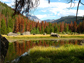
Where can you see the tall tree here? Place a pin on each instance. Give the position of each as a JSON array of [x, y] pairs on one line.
[[79, 30], [26, 4], [83, 26], [62, 27], [75, 26], [3, 27], [71, 26], [66, 27]]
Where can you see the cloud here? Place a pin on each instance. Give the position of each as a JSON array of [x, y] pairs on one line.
[[43, 10], [46, 16], [80, 12], [8, 2], [5, 0], [59, 8], [44, 4], [54, 9], [41, 16]]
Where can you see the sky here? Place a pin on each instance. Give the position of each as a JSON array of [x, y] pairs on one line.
[[55, 10]]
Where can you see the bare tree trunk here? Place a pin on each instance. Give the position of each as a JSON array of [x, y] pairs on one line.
[[77, 9]]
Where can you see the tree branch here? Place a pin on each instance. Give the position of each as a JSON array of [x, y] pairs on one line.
[[77, 9]]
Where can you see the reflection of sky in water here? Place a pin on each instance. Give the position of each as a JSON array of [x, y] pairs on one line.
[[17, 48]]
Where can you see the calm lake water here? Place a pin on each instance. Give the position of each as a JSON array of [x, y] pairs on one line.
[[17, 48]]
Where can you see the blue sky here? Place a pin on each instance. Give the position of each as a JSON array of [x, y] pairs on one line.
[[55, 10]]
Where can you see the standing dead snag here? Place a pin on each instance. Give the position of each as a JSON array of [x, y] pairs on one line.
[[24, 6]]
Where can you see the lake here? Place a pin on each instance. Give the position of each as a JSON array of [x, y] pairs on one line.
[[18, 47]]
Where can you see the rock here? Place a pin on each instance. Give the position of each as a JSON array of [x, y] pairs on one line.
[[83, 41], [44, 33], [12, 34], [55, 35], [34, 34], [3, 48], [26, 33]]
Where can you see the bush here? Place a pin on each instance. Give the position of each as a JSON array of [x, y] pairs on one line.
[[19, 33], [64, 32], [68, 32]]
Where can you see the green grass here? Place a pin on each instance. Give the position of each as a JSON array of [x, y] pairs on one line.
[[63, 54], [43, 36], [72, 37]]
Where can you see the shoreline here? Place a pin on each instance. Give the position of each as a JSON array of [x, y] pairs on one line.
[[44, 37]]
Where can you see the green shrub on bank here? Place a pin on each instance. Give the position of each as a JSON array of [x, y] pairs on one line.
[[64, 54]]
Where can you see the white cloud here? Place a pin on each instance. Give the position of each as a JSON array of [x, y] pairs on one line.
[[41, 16], [8, 2], [80, 12], [44, 4], [43, 10], [5, 0], [59, 8], [46, 16]]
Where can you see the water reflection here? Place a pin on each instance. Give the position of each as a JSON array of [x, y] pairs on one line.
[[17, 48]]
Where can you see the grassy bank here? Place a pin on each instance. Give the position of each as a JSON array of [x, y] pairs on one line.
[[43, 36], [64, 54]]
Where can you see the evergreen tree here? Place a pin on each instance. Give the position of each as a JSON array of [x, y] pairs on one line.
[[37, 30], [67, 28], [71, 26], [10, 26], [42, 30], [51, 29], [47, 30], [56, 29], [79, 30], [75, 26], [3, 27]]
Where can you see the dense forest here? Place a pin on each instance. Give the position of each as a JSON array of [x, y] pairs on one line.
[[20, 23]]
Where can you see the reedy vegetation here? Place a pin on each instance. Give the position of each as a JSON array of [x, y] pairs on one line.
[[63, 54]]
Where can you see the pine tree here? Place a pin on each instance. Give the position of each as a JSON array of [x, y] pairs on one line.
[[79, 30], [47, 30], [75, 26], [37, 31], [3, 27], [71, 26], [51, 29], [10, 25], [42, 30], [83, 26], [66, 28], [55, 29], [62, 27]]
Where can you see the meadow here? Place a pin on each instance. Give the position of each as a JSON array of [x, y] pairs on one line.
[[47, 36]]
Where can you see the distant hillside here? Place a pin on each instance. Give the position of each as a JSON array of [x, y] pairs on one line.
[[10, 22], [49, 20], [68, 19], [8, 12], [34, 18]]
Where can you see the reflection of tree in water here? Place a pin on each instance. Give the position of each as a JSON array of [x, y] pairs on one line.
[[24, 46], [18, 48]]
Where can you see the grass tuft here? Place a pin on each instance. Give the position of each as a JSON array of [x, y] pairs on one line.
[[63, 54]]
